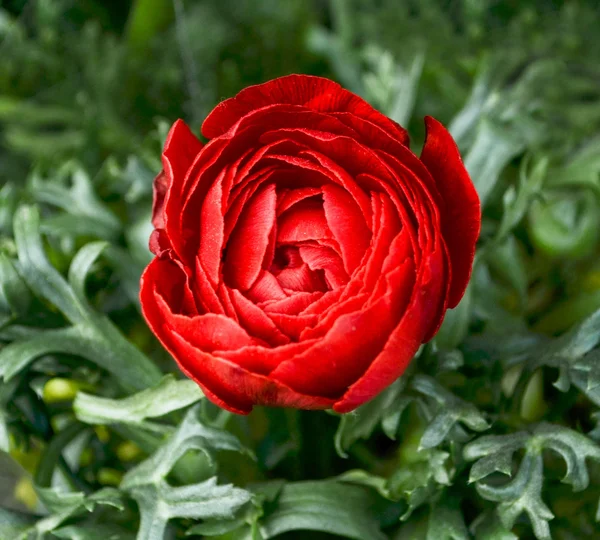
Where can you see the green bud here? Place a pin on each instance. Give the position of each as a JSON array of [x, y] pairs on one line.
[[128, 451], [109, 477], [58, 390]]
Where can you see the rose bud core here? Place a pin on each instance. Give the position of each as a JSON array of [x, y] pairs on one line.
[[304, 253]]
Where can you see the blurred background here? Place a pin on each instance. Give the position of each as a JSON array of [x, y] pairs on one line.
[[89, 89]]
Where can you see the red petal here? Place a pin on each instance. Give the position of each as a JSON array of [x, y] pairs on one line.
[[254, 320], [304, 221], [172, 282], [211, 230], [249, 239], [354, 340], [326, 259], [301, 278], [400, 348], [315, 93], [461, 212], [266, 288], [227, 384], [292, 305], [180, 150], [290, 197], [205, 292], [347, 223]]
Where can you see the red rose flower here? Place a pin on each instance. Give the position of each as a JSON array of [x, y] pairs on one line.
[[304, 253]]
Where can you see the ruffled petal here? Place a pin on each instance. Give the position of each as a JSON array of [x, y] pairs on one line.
[[249, 240], [316, 93], [461, 211]]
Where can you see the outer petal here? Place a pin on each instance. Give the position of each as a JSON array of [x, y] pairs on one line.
[[181, 148], [228, 385], [315, 93], [461, 212]]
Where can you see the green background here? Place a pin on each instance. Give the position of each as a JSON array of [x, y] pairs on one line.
[[492, 433]]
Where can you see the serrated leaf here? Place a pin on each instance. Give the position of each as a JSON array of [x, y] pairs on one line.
[[573, 447], [168, 396], [325, 506], [570, 354], [417, 482], [523, 492], [449, 410], [65, 505], [190, 435], [215, 527], [160, 503]]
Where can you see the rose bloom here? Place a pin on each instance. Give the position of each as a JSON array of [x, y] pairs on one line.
[[305, 252]]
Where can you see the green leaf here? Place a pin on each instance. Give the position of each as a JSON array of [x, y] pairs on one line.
[[446, 522], [325, 506], [93, 336], [493, 148], [517, 202], [13, 524], [361, 423], [565, 224], [65, 505], [569, 353], [506, 259], [489, 527], [15, 297], [18, 355], [53, 452], [81, 265], [581, 170], [388, 86], [41, 277], [418, 482], [456, 323], [494, 453], [523, 492], [78, 199], [93, 531], [169, 395], [449, 410], [159, 503], [190, 435]]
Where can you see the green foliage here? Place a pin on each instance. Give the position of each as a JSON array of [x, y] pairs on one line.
[[493, 433]]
